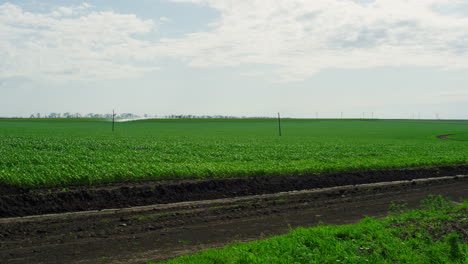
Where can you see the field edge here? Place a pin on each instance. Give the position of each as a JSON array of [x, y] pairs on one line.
[[22, 202]]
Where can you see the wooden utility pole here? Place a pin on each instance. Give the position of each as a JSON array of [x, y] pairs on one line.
[[279, 124], [113, 120]]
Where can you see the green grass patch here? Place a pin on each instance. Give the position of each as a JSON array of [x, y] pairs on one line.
[[428, 235], [47, 153]]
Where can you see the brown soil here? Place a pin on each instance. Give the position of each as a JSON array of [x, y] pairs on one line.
[[158, 232], [446, 137], [15, 201], [10, 189]]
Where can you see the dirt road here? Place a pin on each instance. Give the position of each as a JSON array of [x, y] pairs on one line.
[[163, 231]]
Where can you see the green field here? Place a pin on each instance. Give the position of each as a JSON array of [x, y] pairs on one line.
[[462, 136], [55, 152], [423, 236]]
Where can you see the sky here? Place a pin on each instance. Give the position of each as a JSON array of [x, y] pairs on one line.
[[392, 58]]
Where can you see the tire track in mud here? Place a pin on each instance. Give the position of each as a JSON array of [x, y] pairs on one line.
[[163, 231]]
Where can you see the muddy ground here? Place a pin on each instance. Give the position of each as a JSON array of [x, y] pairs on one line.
[[447, 137], [15, 201], [163, 231]]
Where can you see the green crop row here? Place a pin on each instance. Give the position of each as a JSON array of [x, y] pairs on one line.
[[461, 136], [425, 236], [46, 153]]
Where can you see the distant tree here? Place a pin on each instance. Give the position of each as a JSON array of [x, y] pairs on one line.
[[128, 115]]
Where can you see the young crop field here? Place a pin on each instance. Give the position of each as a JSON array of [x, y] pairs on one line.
[[61, 152], [461, 136], [431, 235]]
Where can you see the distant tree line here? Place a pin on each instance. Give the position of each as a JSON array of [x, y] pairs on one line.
[[131, 116], [78, 115], [56, 115], [200, 116]]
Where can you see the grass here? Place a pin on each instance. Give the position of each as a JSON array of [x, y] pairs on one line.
[[428, 235], [61, 152]]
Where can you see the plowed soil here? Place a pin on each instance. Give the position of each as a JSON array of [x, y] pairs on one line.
[[162, 231], [15, 201]]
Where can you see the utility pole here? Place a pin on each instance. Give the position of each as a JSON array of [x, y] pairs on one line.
[[279, 124], [341, 115], [113, 120]]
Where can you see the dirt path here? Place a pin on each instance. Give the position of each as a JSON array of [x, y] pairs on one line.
[[158, 232], [446, 137]]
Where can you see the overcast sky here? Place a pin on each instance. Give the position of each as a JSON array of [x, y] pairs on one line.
[[396, 58]]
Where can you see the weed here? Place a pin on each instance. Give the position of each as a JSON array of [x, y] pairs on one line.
[[278, 201], [398, 208], [144, 217], [433, 203]]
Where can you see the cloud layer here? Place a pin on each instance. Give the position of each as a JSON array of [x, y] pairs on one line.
[[303, 37], [70, 43], [299, 37]]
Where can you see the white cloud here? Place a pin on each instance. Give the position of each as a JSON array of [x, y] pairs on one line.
[[299, 37], [71, 43], [70, 11], [164, 19], [305, 36]]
